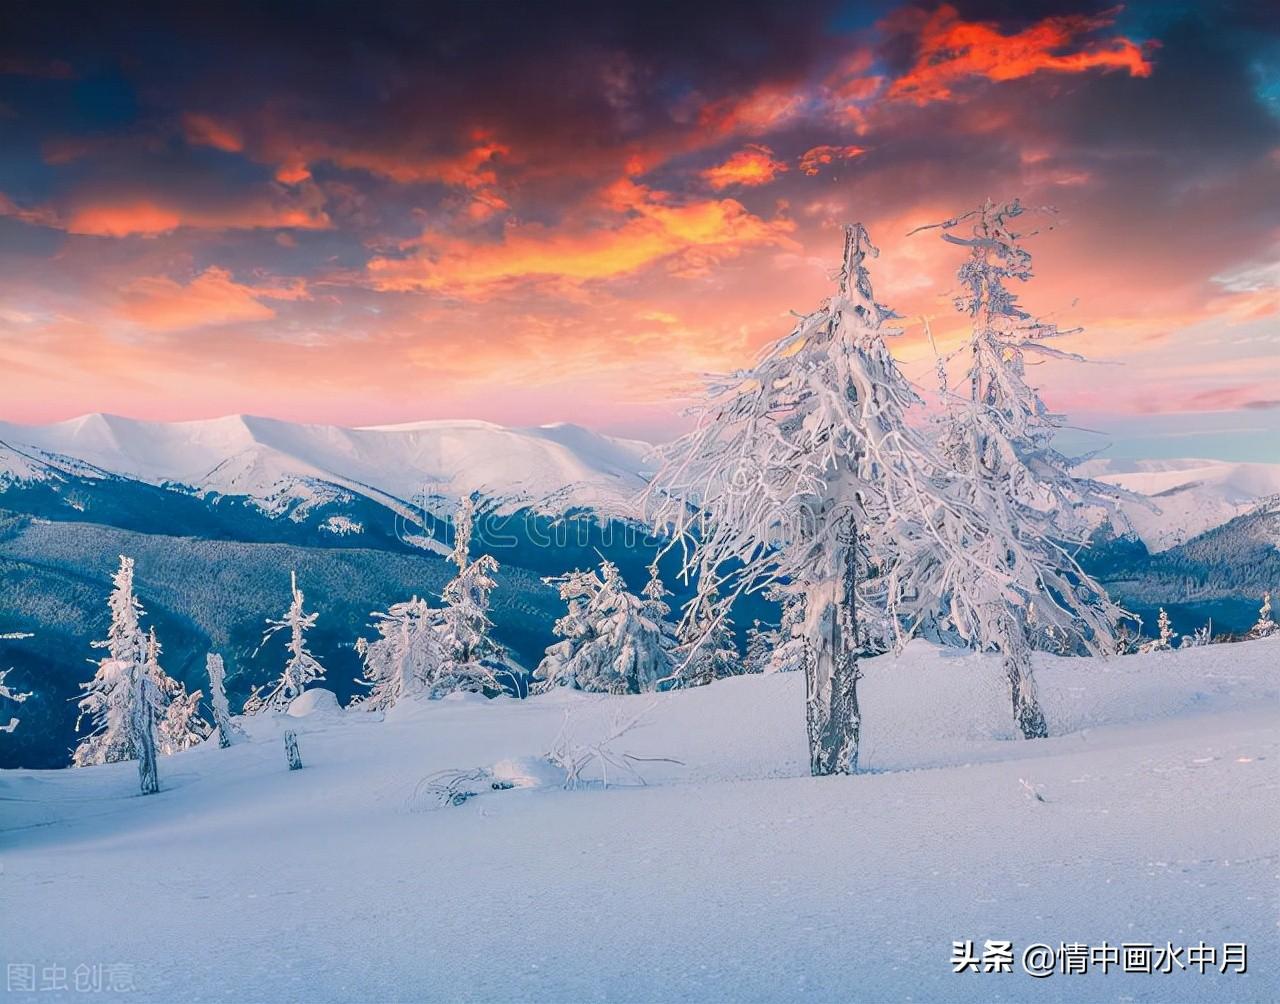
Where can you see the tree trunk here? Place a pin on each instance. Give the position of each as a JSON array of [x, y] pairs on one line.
[[291, 750], [1022, 684], [831, 672], [148, 776]]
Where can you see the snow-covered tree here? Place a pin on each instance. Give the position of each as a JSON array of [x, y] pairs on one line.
[[657, 610], [408, 656], [1266, 626], [613, 641], [9, 694], [761, 642], [179, 725], [1164, 642], [794, 466], [228, 731], [576, 629], [300, 668], [122, 700], [997, 442], [790, 649], [707, 650], [471, 655]]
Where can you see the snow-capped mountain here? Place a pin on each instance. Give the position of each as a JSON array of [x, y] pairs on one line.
[[286, 467], [295, 470], [1191, 496]]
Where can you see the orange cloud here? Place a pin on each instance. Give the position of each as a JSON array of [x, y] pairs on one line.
[[654, 229], [148, 217], [752, 166], [951, 51], [201, 130], [763, 109], [814, 159], [212, 298], [474, 168]]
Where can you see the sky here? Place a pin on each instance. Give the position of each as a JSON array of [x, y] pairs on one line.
[[530, 213]]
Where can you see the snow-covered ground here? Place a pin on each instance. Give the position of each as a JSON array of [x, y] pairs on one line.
[[1151, 816]]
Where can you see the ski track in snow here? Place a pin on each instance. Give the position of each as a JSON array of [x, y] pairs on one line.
[[732, 877]]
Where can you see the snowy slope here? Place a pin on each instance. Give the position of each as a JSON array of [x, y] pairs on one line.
[[552, 467], [1192, 496], [292, 468], [731, 877]]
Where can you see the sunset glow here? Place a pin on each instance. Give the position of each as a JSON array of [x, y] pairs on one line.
[[529, 215]]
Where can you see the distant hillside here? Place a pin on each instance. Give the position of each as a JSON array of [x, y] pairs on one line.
[[284, 467], [202, 593], [1189, 496], [1221, 574]]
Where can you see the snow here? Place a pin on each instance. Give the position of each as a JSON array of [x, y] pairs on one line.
[[731, 876], [342, 525], [291, 468], [283, 463], [314, 702], [1192, 495]]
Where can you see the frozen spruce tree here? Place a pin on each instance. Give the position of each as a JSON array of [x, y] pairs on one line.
[[122, 700], [613, 641], [300, 668], [787, 644], [708, 651], [179, 725], [657, 611], [997, 443], [796, 467], [576, 629], [1164, 641], [761, 642], [1266, 626], [406, 659], [228, 731], [470, 653]]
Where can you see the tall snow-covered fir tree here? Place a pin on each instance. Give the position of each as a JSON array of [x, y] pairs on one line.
[[657, 611], [122, 700], [613, 641], [471, 655], [408, 656], [575, 629], [708, 651], [997, 442], [796, 468], [228, 732], [300, 668]]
